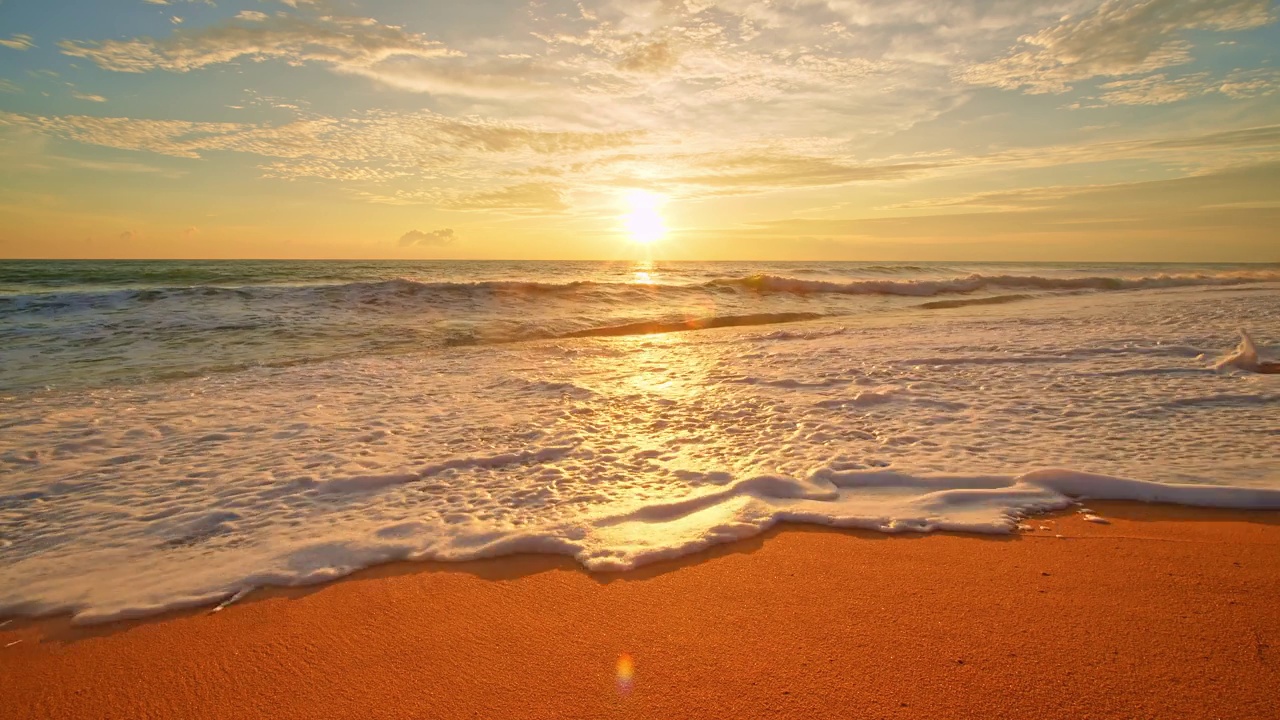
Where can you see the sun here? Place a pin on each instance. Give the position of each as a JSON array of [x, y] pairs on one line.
[[643, 219]]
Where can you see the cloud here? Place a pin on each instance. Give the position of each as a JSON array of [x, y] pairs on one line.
[[1153, 90], [404, 141], [1228, 196], [599, 63], [1160, 90], [533, 197], [8, 86], [1241, 84], [1020, 199], [751, 171], [1118, 38], [435, 238], [178, 138], [1244, 138], [1205, 151], [18, 42], [649, 58], [424, 158], [565, 104], [344, 44], [89, 97]]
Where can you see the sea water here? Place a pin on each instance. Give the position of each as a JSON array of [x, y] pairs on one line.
[[173, 433]]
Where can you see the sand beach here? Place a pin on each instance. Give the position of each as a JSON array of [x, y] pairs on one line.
[[1164, 612]]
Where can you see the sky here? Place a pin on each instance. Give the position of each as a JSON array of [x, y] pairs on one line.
[[1069, 130]]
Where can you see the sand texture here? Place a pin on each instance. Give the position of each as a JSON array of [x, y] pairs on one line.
[[1164, 613]]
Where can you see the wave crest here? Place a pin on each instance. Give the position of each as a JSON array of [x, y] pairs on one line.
[[977, 282]]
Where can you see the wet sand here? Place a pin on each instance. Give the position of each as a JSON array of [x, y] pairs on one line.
[[1165, 613]]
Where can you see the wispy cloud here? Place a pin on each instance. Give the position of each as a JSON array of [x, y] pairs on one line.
[[411, 140], [1259, 82], [1153, 90], [345, 44], [1119, 37], [1198, 204], [531, 197], [18, 42]]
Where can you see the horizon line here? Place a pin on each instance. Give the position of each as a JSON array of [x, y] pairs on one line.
[[637, 260]]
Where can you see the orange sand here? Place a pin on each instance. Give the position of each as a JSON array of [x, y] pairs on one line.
[[1166, 613]]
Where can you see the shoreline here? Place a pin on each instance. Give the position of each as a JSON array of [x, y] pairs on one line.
[[1166, 611]]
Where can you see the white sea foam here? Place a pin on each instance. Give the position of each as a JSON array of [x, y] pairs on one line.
[[1244, 357], [124, 501]]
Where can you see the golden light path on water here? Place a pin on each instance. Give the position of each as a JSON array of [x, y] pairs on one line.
[[645, 272]]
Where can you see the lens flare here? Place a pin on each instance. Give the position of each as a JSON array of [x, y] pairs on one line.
[[626, 673]]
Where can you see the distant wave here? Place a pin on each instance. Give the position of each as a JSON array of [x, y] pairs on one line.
[[965, 302], [976, 282], [400, 290]]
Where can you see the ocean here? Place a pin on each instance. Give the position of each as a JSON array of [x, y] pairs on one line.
[[176, 433]]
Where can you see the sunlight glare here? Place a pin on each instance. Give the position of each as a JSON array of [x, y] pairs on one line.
[[643, 219]]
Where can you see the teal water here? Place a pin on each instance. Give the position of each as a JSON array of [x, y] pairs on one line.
[[67, 324]]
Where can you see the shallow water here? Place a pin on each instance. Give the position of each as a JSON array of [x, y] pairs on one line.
[[137, 488]]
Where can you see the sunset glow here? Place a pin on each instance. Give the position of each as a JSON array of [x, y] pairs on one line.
[[704, 330], [1086, 130]]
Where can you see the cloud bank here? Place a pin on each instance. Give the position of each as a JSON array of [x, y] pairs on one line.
[[435, 238]]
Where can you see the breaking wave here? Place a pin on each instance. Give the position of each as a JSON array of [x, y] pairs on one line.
[[977, 282], [1245, 357]]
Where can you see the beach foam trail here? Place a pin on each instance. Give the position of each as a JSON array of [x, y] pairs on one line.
[[95, 587]]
